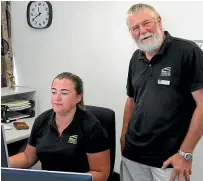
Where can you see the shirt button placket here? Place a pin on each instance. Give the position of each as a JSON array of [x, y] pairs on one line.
[[150, 69]]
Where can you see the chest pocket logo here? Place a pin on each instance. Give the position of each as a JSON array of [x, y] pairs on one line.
[[73, 139], [166, 72]]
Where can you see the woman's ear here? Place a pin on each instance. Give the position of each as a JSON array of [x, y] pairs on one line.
[[79, 97]]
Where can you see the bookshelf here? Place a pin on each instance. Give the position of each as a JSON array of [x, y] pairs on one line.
[[17, 139], [19, 93], [12, 135], [19, 90]]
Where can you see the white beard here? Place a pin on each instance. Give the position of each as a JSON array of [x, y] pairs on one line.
[[150, 46]]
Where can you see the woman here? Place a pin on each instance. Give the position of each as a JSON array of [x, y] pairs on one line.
[[67, 137]]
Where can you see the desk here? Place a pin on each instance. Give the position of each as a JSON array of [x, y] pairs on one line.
[[14, 135], [17, 139]]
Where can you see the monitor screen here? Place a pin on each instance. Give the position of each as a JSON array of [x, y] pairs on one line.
[[4, 150], [13, 174]]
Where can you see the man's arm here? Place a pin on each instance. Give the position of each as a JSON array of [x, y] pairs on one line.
[[182, 167], [195, 131], [128, 111]]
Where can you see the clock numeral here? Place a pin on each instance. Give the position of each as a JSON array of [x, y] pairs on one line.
[[46, 18], [35, 22], [43, 22], [48, 14], [47, 9], [31, 14], [33, 9], [39, 24], [39, 4], [35, 5]]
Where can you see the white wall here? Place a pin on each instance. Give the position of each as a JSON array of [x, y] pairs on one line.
[[91, 39]]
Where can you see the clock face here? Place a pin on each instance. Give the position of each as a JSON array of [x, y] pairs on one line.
[[39, 14]]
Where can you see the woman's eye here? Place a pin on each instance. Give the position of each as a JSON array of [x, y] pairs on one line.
[[53, 93], [64, 93]]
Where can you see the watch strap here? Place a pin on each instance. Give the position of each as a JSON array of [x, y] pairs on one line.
[[184, 154]]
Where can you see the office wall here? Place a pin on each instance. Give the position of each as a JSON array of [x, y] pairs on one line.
[[91, 39]]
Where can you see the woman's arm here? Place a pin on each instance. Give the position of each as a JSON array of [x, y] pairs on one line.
[[25, 159], [99, 164]]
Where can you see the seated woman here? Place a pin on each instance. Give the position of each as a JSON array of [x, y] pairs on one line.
[[67, 137]]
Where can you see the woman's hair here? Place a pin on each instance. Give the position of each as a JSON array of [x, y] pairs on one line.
[[77, 82]]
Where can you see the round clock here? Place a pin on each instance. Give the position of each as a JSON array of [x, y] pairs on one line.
[[39, 14]]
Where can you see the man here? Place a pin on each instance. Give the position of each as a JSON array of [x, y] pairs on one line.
[[163, 116]]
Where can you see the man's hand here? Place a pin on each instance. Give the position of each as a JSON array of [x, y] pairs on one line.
[[181, 167]]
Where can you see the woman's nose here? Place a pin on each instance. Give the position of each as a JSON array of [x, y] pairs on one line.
[[58, 96]]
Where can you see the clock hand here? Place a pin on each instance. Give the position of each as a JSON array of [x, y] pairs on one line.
[[36, 16]]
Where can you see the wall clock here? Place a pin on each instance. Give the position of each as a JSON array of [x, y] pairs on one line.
[[39, 14]]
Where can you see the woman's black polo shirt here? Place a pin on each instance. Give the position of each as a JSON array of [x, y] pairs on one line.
[[161, 89], [67, 152]]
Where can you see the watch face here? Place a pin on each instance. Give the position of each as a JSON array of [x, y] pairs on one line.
[[188, 156], [39, 14]]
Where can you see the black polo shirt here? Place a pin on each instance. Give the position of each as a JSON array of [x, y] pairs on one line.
[[67, 152], [161, 89]]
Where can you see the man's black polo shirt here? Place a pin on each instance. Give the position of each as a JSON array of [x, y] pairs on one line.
[[67, 152], [161, 89]]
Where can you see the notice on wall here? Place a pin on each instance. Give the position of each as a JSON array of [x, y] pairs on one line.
[[199, 43]]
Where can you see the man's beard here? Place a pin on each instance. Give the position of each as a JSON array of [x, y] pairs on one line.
[[150, 46]]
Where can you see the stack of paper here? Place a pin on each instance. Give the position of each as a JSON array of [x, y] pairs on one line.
[[16, 105]]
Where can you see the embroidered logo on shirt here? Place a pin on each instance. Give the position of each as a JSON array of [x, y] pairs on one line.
[[73, 139], [166, 72]]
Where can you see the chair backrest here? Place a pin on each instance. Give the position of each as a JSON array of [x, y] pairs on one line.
[[107, 118]]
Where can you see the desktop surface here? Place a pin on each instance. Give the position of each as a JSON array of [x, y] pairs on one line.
[[13, 135], [12, 174]]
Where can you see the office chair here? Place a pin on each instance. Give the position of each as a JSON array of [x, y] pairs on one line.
[[107, 118]]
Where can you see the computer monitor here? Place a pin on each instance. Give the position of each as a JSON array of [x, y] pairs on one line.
[[13, 174], [4, 150]]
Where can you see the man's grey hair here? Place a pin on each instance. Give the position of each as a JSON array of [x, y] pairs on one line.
[[137, 7]]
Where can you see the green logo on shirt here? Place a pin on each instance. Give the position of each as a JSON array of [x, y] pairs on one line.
[[73, 139]]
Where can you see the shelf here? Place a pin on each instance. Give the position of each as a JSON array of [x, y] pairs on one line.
[[5, 91], [20, 92]]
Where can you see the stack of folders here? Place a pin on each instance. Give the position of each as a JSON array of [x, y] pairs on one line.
[[17, 107]]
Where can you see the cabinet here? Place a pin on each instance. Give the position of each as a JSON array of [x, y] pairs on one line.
[[12, 135], [17, 139], [17, 104]]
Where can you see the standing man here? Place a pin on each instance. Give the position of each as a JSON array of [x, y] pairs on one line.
[[163, 117]]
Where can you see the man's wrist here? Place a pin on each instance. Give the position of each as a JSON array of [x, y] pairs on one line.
[[187, 148], [186, 155]]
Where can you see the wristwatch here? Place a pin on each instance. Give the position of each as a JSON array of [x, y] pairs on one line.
[[187, 156]]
